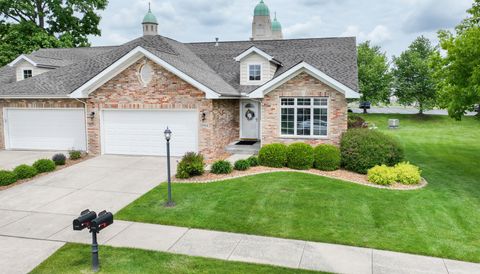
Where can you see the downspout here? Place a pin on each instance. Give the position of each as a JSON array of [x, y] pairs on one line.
[[86, 122]]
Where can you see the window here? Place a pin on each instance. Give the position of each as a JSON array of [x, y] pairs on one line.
[[255, 72], [146, 74], [27, 73], [303, 117]]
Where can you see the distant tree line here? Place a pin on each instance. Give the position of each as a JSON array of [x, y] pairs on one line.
[[445, 76]]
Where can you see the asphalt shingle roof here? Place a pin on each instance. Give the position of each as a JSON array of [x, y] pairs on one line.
[[212, 66]]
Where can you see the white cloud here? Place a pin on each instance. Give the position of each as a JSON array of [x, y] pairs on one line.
[[378, 35], [305, 29]]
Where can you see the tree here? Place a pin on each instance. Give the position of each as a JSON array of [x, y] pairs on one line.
[[460, 70], [373, 74], [26, 25], [414, 75]]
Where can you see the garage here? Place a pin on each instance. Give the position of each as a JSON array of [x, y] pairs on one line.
[[45, 129], [141, 132]]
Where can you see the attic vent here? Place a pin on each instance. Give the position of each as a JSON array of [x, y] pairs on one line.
[[146, 74]]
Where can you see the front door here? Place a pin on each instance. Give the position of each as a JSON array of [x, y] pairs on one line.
[[250, 111]]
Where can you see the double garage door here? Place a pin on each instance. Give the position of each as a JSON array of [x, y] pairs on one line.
[[126, 132]]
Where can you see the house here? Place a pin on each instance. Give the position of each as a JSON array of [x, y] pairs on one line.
[[120, 99]]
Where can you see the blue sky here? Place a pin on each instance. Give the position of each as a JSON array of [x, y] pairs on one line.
[[392, 24]]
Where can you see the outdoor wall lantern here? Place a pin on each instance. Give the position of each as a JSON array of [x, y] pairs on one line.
[[92, 115], [168, 136], [204, 116]]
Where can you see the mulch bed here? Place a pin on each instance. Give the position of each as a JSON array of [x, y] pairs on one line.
[[340, 174], [68, 163]]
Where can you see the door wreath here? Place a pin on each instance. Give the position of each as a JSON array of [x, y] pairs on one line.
[[249, 115]]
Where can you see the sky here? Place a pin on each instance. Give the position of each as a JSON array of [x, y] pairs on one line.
[[391, 24]]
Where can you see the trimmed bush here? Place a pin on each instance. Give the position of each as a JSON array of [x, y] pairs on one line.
[[253, 161], [222, 167], [327, 157], [362, 149], [44, 165], [382, 175], [408, 174], [300, 156], [242, 165], [25, 172], [59, 159], [7, 177], [273, 155], [355, 121], [192, 164], [74, 155]]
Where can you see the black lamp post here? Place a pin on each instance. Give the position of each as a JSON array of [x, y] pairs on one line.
[[168, 136]]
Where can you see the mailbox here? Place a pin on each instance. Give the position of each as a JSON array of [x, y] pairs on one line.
[[85, 219], [103, 220]]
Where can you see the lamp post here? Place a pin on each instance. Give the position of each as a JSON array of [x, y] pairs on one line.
[[168, 136]]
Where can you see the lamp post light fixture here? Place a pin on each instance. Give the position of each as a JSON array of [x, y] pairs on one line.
[[168, 136]]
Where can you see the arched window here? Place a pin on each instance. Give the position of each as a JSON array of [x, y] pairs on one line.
[[146, 74]]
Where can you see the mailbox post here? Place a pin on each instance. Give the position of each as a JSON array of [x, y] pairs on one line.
[[89, 219]]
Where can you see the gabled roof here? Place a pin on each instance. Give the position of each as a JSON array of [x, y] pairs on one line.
[[256, 50], [205, 65]]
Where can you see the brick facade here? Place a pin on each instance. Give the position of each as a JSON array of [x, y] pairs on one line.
[[303, 85]]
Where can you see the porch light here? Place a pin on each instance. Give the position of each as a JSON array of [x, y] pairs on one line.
[[168, 134]]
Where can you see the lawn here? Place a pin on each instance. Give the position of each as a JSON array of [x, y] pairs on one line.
[[441, 220], [76, 258]]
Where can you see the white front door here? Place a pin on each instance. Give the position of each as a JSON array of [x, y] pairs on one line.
[[141, 132], [45, 129], [250, 112]]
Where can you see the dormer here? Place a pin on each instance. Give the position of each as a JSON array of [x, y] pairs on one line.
[[26, 68], [256, 67]]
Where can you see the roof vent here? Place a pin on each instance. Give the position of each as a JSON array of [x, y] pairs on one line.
[[216, 41]]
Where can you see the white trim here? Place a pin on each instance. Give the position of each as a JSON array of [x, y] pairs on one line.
[[34, 97], [126, 61], [102, 122], [296, 70], [24, 58], [251, 50], [6, 125]]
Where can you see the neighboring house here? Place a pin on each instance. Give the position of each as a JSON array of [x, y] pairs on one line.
[[119, 100]]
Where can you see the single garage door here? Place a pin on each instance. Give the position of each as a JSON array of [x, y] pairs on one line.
[[45, 129], [141, 132]]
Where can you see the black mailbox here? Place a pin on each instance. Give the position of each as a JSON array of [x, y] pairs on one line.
[[85, 219], [103, 220]]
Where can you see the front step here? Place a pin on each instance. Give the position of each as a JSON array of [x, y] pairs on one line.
[[233, 148]]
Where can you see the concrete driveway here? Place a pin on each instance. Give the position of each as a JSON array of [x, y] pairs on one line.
[[45, 207], [10, 159]]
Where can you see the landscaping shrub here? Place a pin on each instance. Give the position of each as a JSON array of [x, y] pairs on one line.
[[300, 156], [7, 177], [362, 149], [25, 172], [407, 174], [253, 161], [355, 121], [192, 164], [382, 175], [59, 159], [273, 155], [74, 154], [327, 157], [44, 165], [242, 165], [222, 167]]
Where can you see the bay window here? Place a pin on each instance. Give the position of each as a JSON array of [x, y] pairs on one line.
[[304, 117]]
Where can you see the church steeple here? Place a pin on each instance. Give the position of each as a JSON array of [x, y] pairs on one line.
[[262, 24], [150, 23], [276, 29]]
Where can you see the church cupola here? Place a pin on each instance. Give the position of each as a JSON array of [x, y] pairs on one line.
[[150, 23], [262, 23], [276, 29]]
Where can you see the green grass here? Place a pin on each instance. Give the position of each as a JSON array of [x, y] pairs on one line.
[[441, 220], [76, 258]]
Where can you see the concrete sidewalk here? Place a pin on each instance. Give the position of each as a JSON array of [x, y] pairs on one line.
[[238, 247]]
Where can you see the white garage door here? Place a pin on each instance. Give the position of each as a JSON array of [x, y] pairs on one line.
[[140, 132], [45, 129]]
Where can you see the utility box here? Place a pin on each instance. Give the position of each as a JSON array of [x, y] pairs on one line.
[[393, 123]]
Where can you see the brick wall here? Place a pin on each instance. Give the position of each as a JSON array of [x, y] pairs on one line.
[[303, 85], [165, 91], [33, 103]]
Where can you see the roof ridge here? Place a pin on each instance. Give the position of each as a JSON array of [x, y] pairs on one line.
[[273, 40]]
